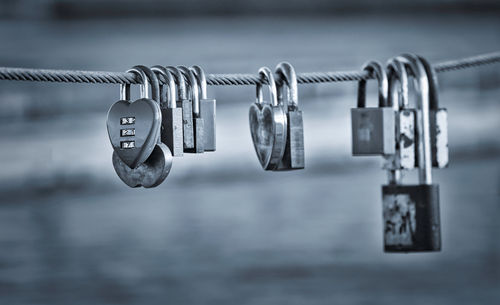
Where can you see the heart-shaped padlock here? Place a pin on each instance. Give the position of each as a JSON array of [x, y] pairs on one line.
[[268, 125], [156, 167], [133, 129], [148, 174]]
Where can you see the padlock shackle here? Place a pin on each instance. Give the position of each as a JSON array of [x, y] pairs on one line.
[[202, 80], [170, 84], [383, 84], [125, 92], [149, 80], [433, 84], [423, 122], [286, 73], [266, 74], [180, 82], [397, 72], [193, 86]]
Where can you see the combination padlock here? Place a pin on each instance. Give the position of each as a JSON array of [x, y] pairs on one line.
[[172, 127], [293, 156], [373, 128], [207, 110], [268, 124], [411, 212], [186, 105], [198, 122], [156, 167]]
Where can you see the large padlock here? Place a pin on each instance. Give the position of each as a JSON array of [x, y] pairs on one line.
[[207, 110], [293, 157], [373, 129], [404, 157], [133, 127], [411, 212], [186, 105], [268, 123], [156, 167], [171, 132], [438, 120], [198, 122]]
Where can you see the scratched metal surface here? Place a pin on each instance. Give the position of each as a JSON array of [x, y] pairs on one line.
[[220, 230]]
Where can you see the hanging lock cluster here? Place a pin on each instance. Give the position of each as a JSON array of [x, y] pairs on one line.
[[277, 127], [166, 122], [407, 138]]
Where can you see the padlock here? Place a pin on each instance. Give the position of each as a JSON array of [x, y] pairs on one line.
[[411, 212], [171, 132], [207, 110], [153, 171], [373, 129], [293, 157], [404, 157], [133, 126], [198, 122], [186, 105], [268, 124], [438, 120]]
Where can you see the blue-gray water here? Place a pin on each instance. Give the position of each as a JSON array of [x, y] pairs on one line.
[[219, 230]]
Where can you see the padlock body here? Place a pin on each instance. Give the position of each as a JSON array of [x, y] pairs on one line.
[[411, 218], [207, 112], [373, 131], [199, 137], [187, 123], [439, 137], [172, 130], [293, 157]]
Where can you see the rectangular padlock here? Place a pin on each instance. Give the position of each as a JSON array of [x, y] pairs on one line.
[[439, 137], [199, 135], [187, 123], [207, 113], [411, 218], [293, 157], [172, 130], [373, 131], [404, 157]]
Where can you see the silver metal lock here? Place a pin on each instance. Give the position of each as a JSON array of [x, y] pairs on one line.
[[411, 212], [198, 122], [155, 169], [373, 129], [171, 133], [404, 157], [207, 110], [293, 157], [268, 124], [187, 109], [438, 120]]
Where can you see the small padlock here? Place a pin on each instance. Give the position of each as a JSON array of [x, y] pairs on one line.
[[404, 157], [373, 129], [293, 157], [171, 133], [411, 212], [268, 124], [198, 122], [186, 105], [207, 109], [438, 120]]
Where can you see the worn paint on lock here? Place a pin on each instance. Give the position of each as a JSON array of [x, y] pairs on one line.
[[406, 139], [439, 138], [399, 220]]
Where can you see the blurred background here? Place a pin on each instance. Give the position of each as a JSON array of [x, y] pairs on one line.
[[220, 230]]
